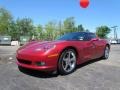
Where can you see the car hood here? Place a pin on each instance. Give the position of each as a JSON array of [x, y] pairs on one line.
[[38, 44]]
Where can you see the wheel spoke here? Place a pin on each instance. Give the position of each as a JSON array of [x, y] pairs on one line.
[[65, 59], [66, 66], [72, 59], [71, 64], [69, 54]]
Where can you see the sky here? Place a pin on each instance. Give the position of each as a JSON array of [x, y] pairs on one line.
[[99, 12]]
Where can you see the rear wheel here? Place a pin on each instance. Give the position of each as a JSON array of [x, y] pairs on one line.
[[106, 53], [67, 62]]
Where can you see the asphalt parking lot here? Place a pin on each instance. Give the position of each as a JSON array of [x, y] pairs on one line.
[[94, 75]]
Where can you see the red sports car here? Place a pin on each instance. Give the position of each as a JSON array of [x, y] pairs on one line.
[[64, 53]]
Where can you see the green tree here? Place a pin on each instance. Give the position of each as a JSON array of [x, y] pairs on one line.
[[87, 30], [13, 31], [103, 31], [39, 33], [5, 20], [50, 28], [80, 28], [60, 29], [69, 25], [25, 27]]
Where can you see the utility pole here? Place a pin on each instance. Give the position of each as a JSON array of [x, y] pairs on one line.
[[115, 32]]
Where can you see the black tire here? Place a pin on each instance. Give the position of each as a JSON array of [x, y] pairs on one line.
[[61, 69], [106, 53]]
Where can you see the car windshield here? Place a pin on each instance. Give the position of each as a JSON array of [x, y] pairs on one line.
[[72, 36]]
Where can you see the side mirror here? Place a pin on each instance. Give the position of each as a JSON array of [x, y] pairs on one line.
[[95, 39]]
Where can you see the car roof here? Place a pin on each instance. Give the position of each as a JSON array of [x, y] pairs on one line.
[[82, 33]]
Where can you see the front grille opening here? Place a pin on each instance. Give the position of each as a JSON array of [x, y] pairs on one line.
[[25, 61]]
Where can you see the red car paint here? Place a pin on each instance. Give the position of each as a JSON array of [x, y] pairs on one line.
[[28, 55]]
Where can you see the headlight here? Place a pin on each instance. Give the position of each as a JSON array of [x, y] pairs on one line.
[[46, 48]]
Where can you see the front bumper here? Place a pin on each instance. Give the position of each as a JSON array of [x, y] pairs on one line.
[[41, 68], [29, 61]]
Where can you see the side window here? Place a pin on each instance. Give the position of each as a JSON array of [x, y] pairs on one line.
[[80, 37], [90, 36]]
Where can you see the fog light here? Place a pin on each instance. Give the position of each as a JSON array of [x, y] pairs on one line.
[[40, 63]]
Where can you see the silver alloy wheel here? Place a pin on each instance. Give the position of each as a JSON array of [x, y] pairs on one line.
[[69, 61], [106, 52]]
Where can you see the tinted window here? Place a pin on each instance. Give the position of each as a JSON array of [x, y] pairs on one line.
[[91, 36], [73, 36]]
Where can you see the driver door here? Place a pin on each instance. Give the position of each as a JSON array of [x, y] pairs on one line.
[[89, 47]]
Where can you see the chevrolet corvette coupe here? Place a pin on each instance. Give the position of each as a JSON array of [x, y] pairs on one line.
[[63, 54]]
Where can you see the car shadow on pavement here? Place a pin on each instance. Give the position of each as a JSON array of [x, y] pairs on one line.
[[40, 74], [89, 62]]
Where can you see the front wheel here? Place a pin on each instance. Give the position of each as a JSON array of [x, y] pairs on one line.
[[67, 62], [106, 53]]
